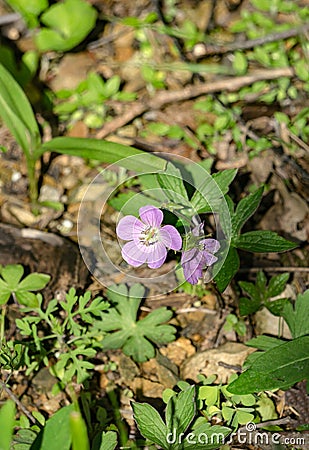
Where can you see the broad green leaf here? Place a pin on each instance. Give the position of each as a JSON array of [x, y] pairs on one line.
[[66, 29], [180, 411], [7, 423], [277, 284], [250, 289], [27, 298], [34, 282], [211, 190], [139, 348], [17, 113], [130, 202], [112, 86], [79, 433], [264, 342], [106, 151], [240, 63], [263, 241], [150, 424], [5, 293], [12, 274], [172, 183], [244, 210], [277, 368], [56, 434], [108, 440], [228, 269], [30, 10], [209, 393]]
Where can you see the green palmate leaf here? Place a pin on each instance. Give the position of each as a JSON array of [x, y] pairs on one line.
[[150, 424], [66, 30], [297, 318], [16, 112], [7, 423], [56, 434], [105, 151], [228, 269], [134, 337], [277, 285], [248, 306], [172, 183], [244, 210], [277, 368], [263, 241], [180, 411]]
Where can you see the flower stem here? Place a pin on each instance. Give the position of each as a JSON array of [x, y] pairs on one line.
[[33, 185]]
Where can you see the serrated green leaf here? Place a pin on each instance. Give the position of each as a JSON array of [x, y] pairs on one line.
[[211, 190], [263, 241], [277, 368], [244, 210], [66, 30], [228, 269], [180, 411], [277, 284], [248, 306], [139, 348], [150, 424], [108, 440], [297, 318], [264, 342], [172, 183]]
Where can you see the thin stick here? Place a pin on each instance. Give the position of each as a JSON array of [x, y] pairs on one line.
[[18, 402], [210, 50], [163, 98]]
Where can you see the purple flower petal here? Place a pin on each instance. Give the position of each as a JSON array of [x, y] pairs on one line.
[[156, 258], [192, 271], [129, 227], [198, 230], [209, 259], [210, 245], [170, 237], [133, 254], [151, 215]]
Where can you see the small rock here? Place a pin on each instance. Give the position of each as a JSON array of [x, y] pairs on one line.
[[222, 361]]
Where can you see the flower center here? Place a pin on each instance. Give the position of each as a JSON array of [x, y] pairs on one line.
[[149, 236]]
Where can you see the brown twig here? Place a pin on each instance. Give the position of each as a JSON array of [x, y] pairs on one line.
[[211, 50], [17, 402], [163, 98]]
